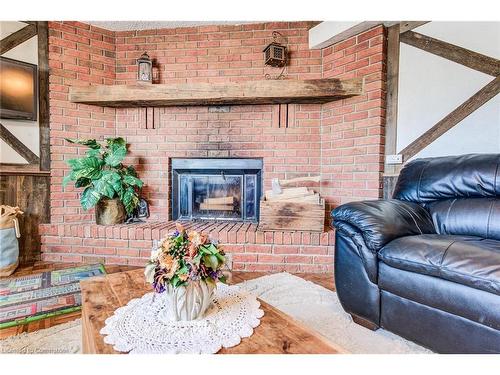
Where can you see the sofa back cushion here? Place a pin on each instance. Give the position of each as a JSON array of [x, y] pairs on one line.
[[462, 193], [472, 217], [465, 176]]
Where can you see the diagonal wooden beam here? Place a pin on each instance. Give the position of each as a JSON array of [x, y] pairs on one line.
[[405, 26], [462, 111], [15, 39], [460, 55], [18, 146]]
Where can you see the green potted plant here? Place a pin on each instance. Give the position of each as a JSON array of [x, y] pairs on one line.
[[110, 186]]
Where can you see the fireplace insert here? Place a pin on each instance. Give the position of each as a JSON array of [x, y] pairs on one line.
[[216, 189]]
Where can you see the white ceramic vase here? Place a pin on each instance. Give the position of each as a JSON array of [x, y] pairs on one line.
[[189, 302]]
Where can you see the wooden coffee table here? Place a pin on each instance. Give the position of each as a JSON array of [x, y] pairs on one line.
[[277, 333]]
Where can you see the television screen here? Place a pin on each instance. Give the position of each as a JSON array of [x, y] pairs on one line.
[[18, 89]]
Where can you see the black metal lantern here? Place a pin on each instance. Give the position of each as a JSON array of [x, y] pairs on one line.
[[144, 69], [275, 53]]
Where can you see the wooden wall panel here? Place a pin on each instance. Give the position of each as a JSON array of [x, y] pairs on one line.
[[28, 185], [31, 194]]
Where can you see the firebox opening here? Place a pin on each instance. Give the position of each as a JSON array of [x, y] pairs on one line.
[[216, 189]]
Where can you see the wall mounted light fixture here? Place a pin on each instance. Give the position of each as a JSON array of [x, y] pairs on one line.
[[276, 54], [144, 69]]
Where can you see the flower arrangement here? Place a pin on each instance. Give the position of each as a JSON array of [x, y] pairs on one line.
[[183, 257]]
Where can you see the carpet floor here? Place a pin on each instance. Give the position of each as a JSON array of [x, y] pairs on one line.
[[320, 309], [61, 339], [313, 305]]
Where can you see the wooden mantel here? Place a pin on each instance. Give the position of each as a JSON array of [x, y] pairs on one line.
[[202, 94]]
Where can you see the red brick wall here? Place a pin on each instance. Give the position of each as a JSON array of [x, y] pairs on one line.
[[219, 54], [342, 141], [79, 54], [352, 130]]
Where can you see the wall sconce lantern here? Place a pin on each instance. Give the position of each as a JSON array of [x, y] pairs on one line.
[[144, 69], [275, 54]]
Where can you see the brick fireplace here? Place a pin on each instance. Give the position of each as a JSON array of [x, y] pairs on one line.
[[342, 141]]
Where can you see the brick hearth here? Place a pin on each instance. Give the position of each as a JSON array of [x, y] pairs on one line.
[[251, 249], [342, 140]]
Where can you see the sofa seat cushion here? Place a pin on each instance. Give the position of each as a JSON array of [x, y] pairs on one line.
[[467, 260]]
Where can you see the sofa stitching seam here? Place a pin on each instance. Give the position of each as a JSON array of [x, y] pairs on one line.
[[489, 219], [420, 179], [495, 180], [449, 210]]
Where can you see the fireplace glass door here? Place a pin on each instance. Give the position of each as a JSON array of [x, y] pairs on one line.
[[215, 193], [216, 196]]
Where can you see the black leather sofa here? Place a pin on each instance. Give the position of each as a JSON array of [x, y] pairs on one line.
[[426, 264]]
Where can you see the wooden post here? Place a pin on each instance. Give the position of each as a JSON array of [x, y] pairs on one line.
[[391, 122], [43, 95]]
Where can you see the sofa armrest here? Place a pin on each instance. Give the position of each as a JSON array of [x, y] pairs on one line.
[[382, 221]]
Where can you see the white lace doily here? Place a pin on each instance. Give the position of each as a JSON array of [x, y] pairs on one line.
[[143, 325]]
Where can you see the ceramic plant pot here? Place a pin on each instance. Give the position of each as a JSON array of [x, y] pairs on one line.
[[109, 212], [189, 302]]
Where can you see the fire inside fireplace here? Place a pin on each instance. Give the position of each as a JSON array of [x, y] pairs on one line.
[[216, 189]]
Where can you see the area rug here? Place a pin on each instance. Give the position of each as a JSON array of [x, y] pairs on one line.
[[320, 309], [61, 339], [313, 305], [28, 298]]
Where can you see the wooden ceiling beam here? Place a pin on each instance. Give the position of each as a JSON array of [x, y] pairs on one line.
[[405, 26], [15, 39], [462, 111], [460, 55], [18, 146], [203, 94]]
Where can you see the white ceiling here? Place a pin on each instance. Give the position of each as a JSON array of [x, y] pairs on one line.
[[145, 25]]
